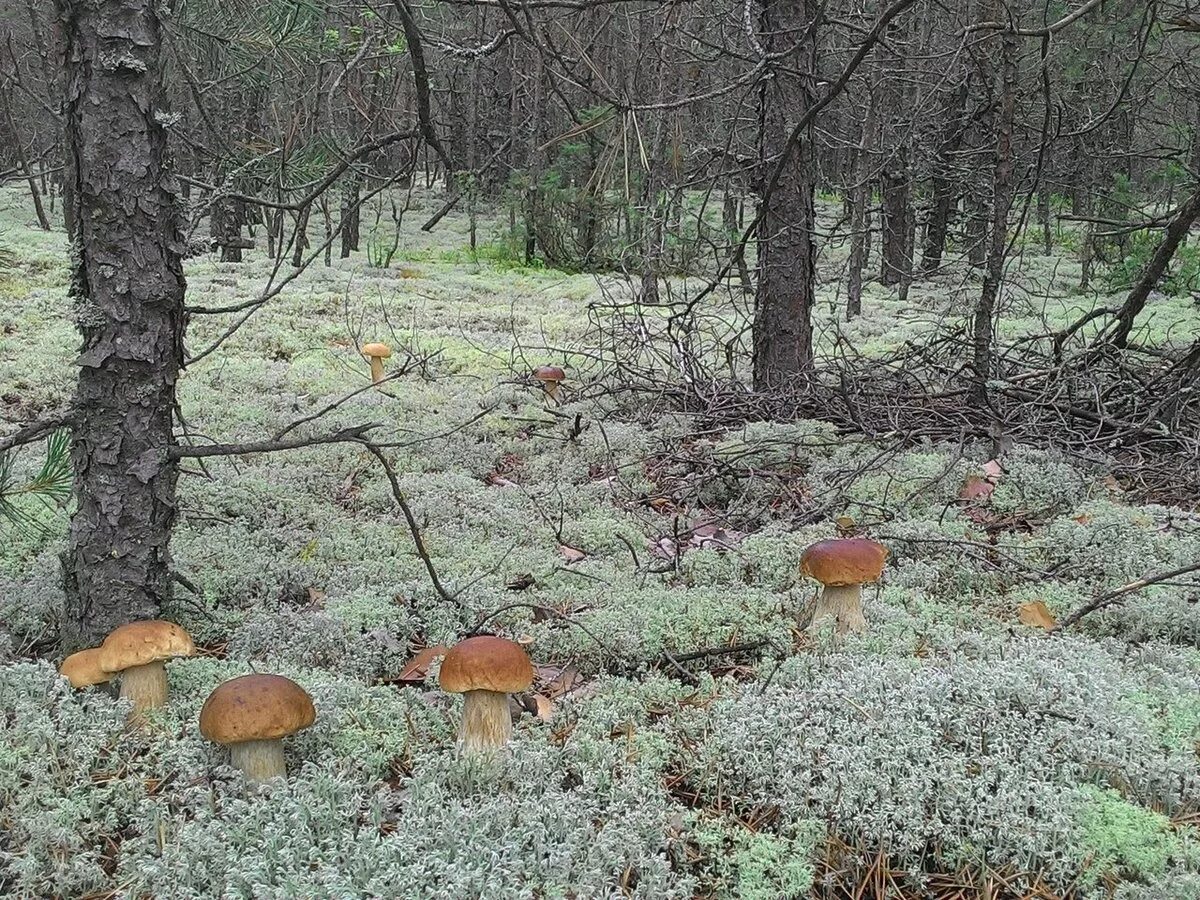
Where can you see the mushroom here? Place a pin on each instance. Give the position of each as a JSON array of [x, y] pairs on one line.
[[377, 353], [842, 567], [251, 715], [485, 670], [137, 651], [82, 669], [550, 377]]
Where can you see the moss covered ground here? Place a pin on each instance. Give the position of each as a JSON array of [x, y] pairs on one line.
[[949, 745]]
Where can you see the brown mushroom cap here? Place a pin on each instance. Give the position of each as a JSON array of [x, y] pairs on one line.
[[256, 708], [141, 643], [486, 663], [383, 351], [839, 562], [82, 669], [549, 373]]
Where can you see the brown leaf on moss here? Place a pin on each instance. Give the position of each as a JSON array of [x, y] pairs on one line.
[[1036, 615], [417, 668], [570, 554], [976, 488]]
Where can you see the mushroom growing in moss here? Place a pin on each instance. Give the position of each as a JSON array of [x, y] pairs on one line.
[[377, 353], [843, 567], [251, 715], [485, 670], [550, 377], [137, 651], [82, 669]]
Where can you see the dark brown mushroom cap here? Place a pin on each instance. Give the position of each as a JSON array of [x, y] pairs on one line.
[[551, 374], [256, 708], [82, 669], [141, 643], [486, 663], [841, 562]]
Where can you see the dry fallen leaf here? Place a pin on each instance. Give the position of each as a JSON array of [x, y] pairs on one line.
[[976, 488], [993, 471], [417, 668], [545, 707], [570, 554], [1036, 615]]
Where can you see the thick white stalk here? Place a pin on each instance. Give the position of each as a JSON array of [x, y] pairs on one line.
[[843, 604], [486, 721]]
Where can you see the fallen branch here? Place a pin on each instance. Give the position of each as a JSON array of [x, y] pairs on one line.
[[357, 434], [1112, 597], [413, 529]]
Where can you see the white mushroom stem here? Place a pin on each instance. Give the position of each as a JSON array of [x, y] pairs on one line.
[[376, 369], [486, 721], [259, 760], [551, 389], [146, 686], [843, 604]]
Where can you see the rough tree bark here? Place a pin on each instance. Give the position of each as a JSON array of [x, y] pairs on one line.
[[786, 255], [128, 292]]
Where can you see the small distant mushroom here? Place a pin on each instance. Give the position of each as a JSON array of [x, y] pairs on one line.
[[550, 377], [251, 715], [377, 353], [843, 567], [82, 669], [137, 651], [485, 670]]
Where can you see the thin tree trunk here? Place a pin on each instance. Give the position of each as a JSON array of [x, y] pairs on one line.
[[23, 162], [860, 212], [782, 330], [531, 172], [128, 291], [1043, 214], [351, 214], [945, 187], [1002, 197], [1177, 233]]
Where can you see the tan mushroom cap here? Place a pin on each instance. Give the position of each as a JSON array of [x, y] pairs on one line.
[[549, 373], [840, 562], [82, 669], [383, 351], [486, 663], [141, 643], [256, 708]]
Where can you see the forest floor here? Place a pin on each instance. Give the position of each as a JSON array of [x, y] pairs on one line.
[[684, 736]]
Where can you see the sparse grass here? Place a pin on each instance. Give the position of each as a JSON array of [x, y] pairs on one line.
[[949, 739]]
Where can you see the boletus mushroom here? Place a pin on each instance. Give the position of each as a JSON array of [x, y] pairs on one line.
[[137, 651], [377, 353], [550, 377], [251, 715], [82, 669], [485, 670], [843, 567]]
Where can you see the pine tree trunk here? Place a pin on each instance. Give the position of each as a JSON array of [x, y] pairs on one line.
[[860, 209], [783, 352], [1002, 197], [351, 214], [128, 291], [944, 187]]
